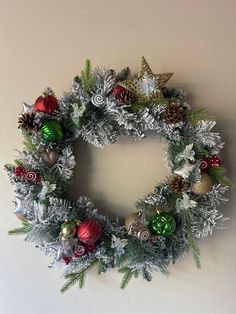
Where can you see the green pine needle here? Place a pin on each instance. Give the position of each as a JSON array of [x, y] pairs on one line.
[[100, 267], [73, 279], [20, 230], [76, 278], [29, 146], [195, 116], [218, 174], [18, 162], [145, 103], [176, 148], [128, 274], [194, 248], [87, 77]]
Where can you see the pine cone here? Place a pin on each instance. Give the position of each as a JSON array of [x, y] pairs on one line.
[[123, 95], [178, 184], [173, 113], [26, 122]]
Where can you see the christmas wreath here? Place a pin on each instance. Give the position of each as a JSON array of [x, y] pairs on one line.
[[102, 106]]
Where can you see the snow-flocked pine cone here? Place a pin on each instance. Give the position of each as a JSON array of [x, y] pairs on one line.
[[177, 184], [26, 122], [173, 113]]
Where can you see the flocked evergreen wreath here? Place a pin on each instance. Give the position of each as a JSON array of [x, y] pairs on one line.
[[101, 107]]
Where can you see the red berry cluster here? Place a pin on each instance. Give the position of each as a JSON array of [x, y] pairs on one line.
[[80, 250], [29, 175], [213, 161]]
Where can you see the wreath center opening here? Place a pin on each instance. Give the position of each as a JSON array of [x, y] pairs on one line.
[[116, 176]]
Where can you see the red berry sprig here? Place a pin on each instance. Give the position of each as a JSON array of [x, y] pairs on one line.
[[213, 161], [29, 175], [19, 171], [67, 259]]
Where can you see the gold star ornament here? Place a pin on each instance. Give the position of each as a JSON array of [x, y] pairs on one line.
[[147, 86]]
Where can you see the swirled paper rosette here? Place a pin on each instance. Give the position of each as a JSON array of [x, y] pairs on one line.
[[101, 107]]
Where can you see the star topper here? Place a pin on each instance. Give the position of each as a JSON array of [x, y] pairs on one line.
[[147, 85]]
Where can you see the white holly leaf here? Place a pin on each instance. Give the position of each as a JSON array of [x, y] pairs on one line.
[[185, 203], [118, 244], [184, 171], [186, 155], [46, 189], [77, 112]]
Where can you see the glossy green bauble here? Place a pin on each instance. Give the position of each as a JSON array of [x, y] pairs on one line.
[[51, 131], [68, 230], [163, 224]]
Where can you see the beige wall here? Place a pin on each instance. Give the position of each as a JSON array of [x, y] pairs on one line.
[[45, 43]]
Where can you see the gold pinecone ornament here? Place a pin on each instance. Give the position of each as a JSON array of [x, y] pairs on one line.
[[177, 184], [131, 219], [27, 122], [173, 113]]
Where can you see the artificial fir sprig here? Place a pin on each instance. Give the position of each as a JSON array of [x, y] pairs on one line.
[[24, 229], [128, 275], [219, 175], [197, 115], [87, 77], [78, 277], [30, 147], [194, 248]]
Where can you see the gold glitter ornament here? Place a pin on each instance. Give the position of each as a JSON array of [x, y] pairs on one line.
[[135, 228], [147, 85], [204, 185], [69, 229], [131, 219], [139, 231]]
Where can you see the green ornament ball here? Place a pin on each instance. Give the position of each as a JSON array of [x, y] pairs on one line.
[[51, 131], [163, 224], [68, 230]]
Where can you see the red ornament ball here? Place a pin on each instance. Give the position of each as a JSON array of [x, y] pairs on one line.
[[89, 231], [215, 161], [46, 104], [19, 171]]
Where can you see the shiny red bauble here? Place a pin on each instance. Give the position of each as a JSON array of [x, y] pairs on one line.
[[46, 104], [89, 231]]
